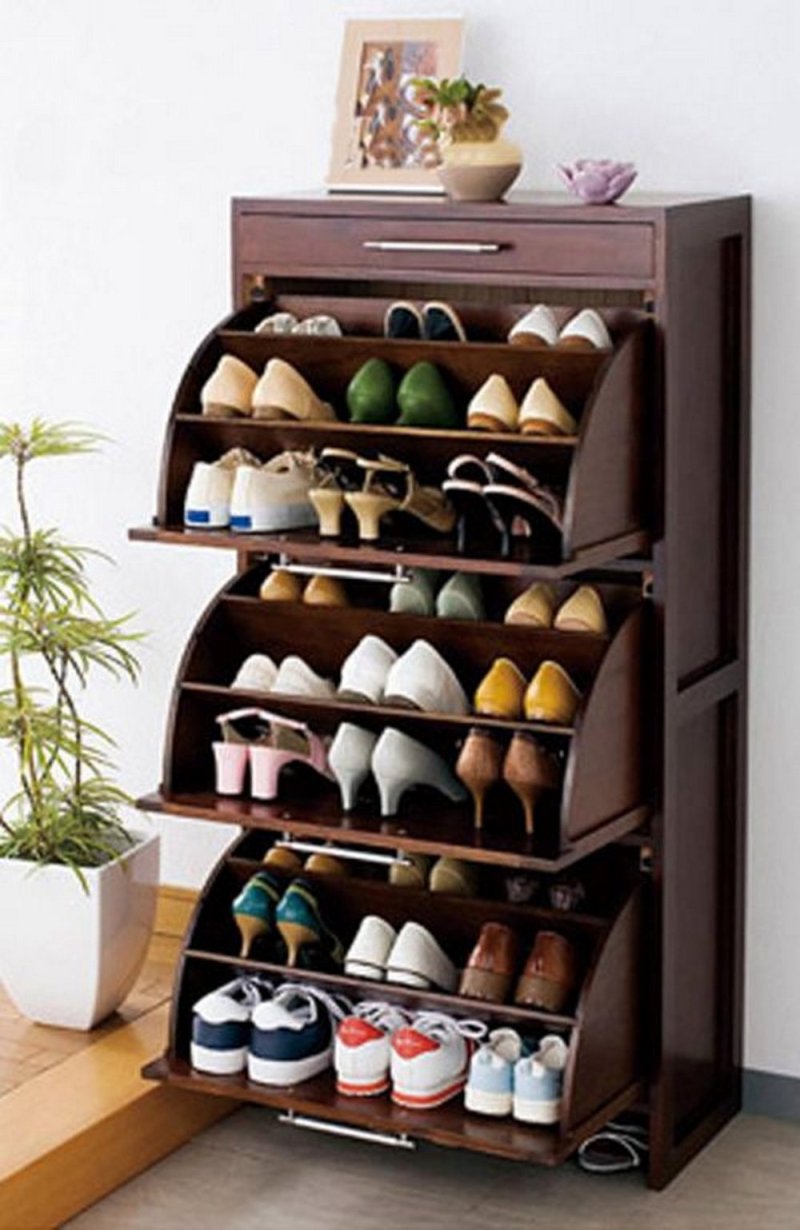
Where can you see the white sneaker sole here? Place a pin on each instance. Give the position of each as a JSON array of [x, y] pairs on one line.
[[484, 1103], [362, 1086], [277, 517], [426, 1099], [220, 1063], [537, 1112], [207, 518], [287, 1072]]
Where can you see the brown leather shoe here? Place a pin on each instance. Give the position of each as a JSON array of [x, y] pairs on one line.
[[550, 976], [491, 965]]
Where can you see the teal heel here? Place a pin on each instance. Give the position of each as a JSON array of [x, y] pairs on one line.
[[254, 908], [299, 922]]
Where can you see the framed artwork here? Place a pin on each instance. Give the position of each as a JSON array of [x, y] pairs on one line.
[[377, 145]]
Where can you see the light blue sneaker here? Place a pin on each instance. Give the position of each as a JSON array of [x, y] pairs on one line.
[[490, 1084], [538, 1080]]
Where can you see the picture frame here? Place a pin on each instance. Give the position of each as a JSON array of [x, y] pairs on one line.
[[376, 146]]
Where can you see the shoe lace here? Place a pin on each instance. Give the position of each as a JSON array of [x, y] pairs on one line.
[[339, 1006], [253, 989], [440, 1025], [387, 1017]]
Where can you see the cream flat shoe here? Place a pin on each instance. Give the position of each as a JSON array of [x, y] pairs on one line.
[[282, 393], [587, 330], [296, 678], [228, 392], [543, 414], [551, 696], [256, 674], [494, 407], [278, 322], [534, 607], [582, 612], [537, 328], [281, 586]]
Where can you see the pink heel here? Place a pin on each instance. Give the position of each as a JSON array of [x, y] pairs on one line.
[[280, 741], [231, 765], [265, 767]]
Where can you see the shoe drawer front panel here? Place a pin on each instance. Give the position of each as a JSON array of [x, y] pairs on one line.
[[279, 244]]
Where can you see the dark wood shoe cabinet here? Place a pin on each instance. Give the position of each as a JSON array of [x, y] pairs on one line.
[[651, 813]]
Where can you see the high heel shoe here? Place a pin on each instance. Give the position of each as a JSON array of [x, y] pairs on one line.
[[501, 692], [299, 921], [551, 696], [399, 762], [350, 759], [391, 487], [530, 772], [279, 741], [254, 907], [479, 766], [337, 472]]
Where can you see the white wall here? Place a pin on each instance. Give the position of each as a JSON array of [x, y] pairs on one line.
[[126, 128]]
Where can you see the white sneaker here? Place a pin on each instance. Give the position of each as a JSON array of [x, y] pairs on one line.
[[429, 1059], [423, 679], [350, 760], [228, 392], [362, 1052], [538, 1081], [296, 678], [275, 496], [537, 325], [367, 955], [292, 1034], [221, 1025], [490, 1085], [400, 762], [587, 326], [256, 674], [207, 503], [416, 960], [365, 670]]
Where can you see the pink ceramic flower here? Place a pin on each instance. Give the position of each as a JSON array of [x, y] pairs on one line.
[[598, 181]]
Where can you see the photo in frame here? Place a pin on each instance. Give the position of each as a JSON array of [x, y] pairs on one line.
[[377, 145]]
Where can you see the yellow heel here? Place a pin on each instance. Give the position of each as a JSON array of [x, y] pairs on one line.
[[250, 929], [369, 507], [328, 503], [295, 936]]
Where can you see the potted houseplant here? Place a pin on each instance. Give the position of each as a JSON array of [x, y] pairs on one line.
[[476, 163], [77, 888]]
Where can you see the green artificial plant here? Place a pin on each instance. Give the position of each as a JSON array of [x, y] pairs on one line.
[[66, 808]]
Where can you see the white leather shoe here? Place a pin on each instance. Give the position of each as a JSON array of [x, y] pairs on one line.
[[587, 328], [318, 326], [367, 955], [350, 760], [256, 674], [296, 678], [494, 407], [537, 327], [278, 322], [544, 414], [228, 392], [399, 762], [282, 393], [275, 496], [416, 960], [421, 678], [365, 670]]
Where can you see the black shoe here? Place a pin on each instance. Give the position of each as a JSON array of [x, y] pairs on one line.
[[441, 323]]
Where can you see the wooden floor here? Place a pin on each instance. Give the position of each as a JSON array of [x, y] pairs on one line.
[[251, 1172]]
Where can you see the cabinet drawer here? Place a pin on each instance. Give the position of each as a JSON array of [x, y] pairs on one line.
[[278, 243]]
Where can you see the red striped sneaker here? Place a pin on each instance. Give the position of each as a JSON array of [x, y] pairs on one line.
[[430, 1059], [362, 1051]]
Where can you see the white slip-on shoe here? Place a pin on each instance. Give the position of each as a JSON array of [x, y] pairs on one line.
[[207, 503], [430, 1057], [221, 1025], [350, 760], [422, 679], [542, 413], [278, 322], [367, 955], [365, 670], [416, 960], [362, 1053], [399, 762], [538, 327], [587, 329], [494, 407], [274, 496], [318, 326], [296, 678], [228, 392], [256, 674], [282, 393]]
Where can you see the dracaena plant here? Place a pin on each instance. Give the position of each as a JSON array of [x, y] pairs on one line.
[[53, 636]]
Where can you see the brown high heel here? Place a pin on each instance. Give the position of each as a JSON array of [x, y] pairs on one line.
[[530, 771], [479, 766]]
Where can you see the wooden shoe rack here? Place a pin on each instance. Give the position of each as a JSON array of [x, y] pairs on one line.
[[650, 816]]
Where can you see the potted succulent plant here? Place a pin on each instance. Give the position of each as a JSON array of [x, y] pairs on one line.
[[476, 163], [77, 888]]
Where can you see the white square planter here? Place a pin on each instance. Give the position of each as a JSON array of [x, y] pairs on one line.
[[68, 957]]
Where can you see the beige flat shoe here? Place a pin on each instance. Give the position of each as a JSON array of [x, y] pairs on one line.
[[494, 407], [534, 607], [228, 392], [325, 591], [582, 612], [412, 873], [551, 696], [543, 414], [282, 393], [586, 331], [281, 586], [537, 329]]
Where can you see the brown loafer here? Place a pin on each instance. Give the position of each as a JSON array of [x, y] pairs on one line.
[[492, 964], [550, 975]]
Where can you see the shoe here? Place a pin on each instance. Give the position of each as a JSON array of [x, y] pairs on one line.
[[582, 612], [221, 1025], [415, 596], [228, 392], [399, 763], [369, 952], [362, 1053], [318, 326], [479, 766], [337, 471], [370, 394], [454, 877], [476, 518], [530, 771], [284, 861], [429, 1059], [461, 597], [325, 591], [492, 964], [321, 864], [425, 400], [241, 730], [567, 895], [524, 505], [534, 608], [275, 496], [276, 742], [254, 907], [296, 678], [586, 331], [421, 679], [403, 320], [501, 692], [282, 393], [490, 1083], [411, 872], [494, 407], [538, 1081], [277, 323], [551, 696], [366, 670], [292, 1034], [416, 960], [537, 328], [390, 487], [350, 760], [256, 674], [300, 924], [207, 503], [550, 975], [543, 414], [442, 323], [281, 586]]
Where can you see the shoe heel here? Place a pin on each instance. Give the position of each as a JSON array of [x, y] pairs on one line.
[[349, 782], [329, 506], [265, 767], [528, 797], [391, 791], [250, 928], [230, 760], [369, 508], [481, 984], [295, 936]]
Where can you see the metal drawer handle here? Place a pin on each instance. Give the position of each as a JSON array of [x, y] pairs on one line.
[[428, 245], [398, 576], [399, 1141], [358, 856]]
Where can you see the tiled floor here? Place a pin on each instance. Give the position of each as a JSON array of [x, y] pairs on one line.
[[250, 1171]]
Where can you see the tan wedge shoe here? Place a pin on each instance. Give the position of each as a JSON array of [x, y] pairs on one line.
[[582, 612], [281, 586], [494, 407], [544, 414], [282, 393], [534, 607], [551, 696], [501, 692], [228, 392], [530, 772]]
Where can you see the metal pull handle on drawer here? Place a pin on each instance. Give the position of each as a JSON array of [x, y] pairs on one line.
[[398, 576], [359, 856], [396, 1141], [428, 245]]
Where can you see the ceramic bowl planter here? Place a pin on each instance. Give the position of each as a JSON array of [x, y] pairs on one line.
[[479, 170], [68, 957]]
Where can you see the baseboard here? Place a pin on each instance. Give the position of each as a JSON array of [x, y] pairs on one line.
[[770, 1093]]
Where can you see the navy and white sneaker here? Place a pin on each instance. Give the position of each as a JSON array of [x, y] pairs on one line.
[[292, 1034], [221, 1025]]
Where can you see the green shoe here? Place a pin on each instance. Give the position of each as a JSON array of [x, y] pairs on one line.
[[424, 399], [461, 597], [417, 596], [254, 908], [370, 394], [299, 921]]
